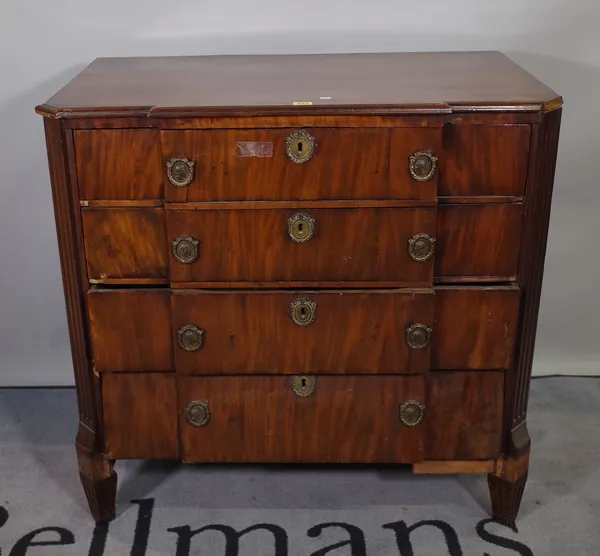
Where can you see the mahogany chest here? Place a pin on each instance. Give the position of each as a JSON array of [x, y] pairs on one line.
[[320, 258]]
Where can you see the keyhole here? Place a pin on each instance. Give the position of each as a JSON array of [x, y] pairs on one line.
[[303, 383], [302, 311], [300, 227], [300, 146]]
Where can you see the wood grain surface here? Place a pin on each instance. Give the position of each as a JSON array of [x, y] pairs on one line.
[[140, 415], [478, 241], [464, 415], [484, 160], [70, 241], [531, 273], [119, 164], [260, 419], [475, 327], [454, 467], [346, 164], [251, 84], [252, 332], [125, 242], [348, 244], [130, 330]]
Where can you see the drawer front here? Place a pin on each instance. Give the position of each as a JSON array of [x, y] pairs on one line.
[[125, 243], [478, 242], [119, 164], [303, 332], [262, 419], [301, 245], [484, 160], [140, 415], [475, 327], [130, 330], [299, 164], [463, 417]]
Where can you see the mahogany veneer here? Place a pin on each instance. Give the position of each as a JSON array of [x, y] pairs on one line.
[[301, 270]]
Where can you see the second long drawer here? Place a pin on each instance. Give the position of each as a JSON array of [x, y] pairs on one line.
[[304, 247], [303, 332]]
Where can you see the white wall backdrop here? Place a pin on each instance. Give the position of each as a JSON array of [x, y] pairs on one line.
[[43, 44]]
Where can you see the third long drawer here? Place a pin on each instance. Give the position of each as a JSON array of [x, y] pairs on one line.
[[303, 332]]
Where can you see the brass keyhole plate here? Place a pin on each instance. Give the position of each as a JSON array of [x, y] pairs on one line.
[[301, 227], [303, 385], [299, 146], [303, 311]]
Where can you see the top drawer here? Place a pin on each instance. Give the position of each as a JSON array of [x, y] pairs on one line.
[[300, 164], [279, 164]]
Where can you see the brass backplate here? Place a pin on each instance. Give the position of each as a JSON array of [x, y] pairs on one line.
[[190, 338], [421, 247], [185, 249], [197, 413], [418, 335], [180, 171], [411, 413], [304, 385], [299, 146], [422, 166]]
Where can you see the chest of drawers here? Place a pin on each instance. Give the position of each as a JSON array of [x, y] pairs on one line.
[[326, 258]]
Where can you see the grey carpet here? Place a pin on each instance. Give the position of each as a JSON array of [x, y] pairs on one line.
[[376, 506]]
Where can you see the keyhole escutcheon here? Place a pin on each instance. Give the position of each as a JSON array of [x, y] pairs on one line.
[[301, 227], [303, 311], [300, 146], [303, 386]]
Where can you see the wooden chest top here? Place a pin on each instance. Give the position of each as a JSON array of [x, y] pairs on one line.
[[391, 82]]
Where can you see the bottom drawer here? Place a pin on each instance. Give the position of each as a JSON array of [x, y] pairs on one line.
[[272, 419], [263, 419]]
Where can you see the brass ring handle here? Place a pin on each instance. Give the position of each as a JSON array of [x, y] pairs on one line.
[[422, 166], [301, 227], [180, 171], [185, 249], [411, 413], [303, 311], [197, 413], [418, 335], [299, 146], [421, 247], [190, 338], [303, 385]]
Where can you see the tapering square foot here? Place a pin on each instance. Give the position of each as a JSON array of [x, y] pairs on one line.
[[99, 482], [101, 496], [506, 498]]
